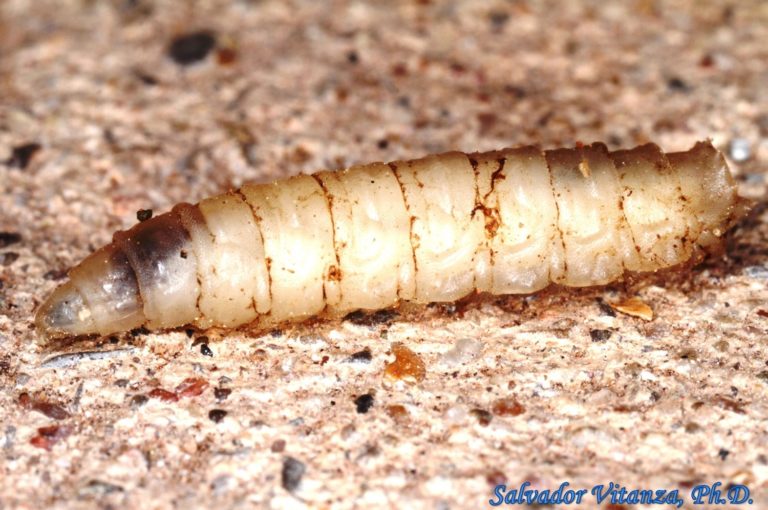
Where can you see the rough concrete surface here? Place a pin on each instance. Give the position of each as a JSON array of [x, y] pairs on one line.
[[101, 115]]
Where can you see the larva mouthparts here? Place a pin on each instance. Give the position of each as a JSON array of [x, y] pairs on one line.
[[429, 230]]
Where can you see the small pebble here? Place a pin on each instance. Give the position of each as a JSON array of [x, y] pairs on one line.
[[205, 350], [191, 48], [97, 487], [363, 403], [465, 349], [143, 214], [278, 446], [216, 415], [221, 393], [678, 85], [49, 409], [138, 401], [407, 367], [292, 473], [9, 238], [191, 387], [10, 436], [635, 307], [507, 407], [22, 155], [739, 150], [760, 272], [363, 356], [483, 417], [6, 259], [167, 396], [398, 413], [48, 436], [55, 274], [223, 484], [600, 335]]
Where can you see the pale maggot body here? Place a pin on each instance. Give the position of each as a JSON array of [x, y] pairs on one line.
[[429, 230]]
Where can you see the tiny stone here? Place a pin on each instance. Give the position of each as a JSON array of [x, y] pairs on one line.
[[205, 350], [292, 473], [162, 394], [495, 477], [190, 48], [143, 214], [739, 150], [22, 155], [222, 484], [9, 258], [465, 349], [200, 340], [508, 407], [347, 431], [498, 19], [678, 85], [364, 403], [763, 375], [97, 487], [692, 427], [363, 356], [723, 453], [407, 367], [10, 436], [9, 238], [138, 401], [600, 335], [221, 393], [51, 410], [216, 415], [191, 387], [605, 308], [760, 272], [278, 446], [483, 417], [398, 413], [53, 274]]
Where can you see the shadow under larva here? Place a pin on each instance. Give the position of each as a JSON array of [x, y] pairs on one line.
[[435, 229]]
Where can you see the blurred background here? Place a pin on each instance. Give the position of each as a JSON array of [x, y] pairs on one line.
[[108, 107]]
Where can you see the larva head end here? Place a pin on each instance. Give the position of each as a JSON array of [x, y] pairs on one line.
[[65, 313]]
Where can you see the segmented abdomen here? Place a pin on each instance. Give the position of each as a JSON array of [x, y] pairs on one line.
[[429, 230]]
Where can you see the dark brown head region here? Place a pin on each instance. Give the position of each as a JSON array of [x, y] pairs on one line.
[[151, 244], [119, 285]]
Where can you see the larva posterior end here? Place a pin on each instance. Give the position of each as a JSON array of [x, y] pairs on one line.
[[64, 313]]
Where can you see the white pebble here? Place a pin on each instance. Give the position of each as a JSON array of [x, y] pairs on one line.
[[465, 349], [739, 150]]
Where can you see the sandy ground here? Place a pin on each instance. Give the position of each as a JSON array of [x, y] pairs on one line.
[[100, 118]]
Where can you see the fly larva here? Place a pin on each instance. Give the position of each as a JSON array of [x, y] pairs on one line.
[[429, 230]]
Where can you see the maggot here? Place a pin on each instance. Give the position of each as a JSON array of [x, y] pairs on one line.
[[428, 230]]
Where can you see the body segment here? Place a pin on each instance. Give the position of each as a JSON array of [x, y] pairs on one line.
[[428, 230]]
